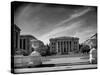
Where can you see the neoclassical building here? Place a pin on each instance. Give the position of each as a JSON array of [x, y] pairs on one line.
[[64, 45], [25, 43], [92, 41], [15, 39]]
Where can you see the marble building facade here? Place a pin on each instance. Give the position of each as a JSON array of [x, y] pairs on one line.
[[92, 41], [64, 45], [25, 43], [15, 38]]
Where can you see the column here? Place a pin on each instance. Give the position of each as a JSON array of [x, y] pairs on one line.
[[25, 43], [63, 46], [77, 45], [66, 45], [14, 39], [57, 47], [51, 46], [29, 45], [19, 40], [74, 45], [69, 46], [22, 43], [60, 46]]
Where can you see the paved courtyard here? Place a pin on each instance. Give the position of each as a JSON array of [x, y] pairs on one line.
[[64, 63], [66, 60]]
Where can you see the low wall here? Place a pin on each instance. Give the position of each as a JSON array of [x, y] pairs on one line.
[[25, 61]]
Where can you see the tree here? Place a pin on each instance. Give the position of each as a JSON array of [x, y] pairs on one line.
[[80, 46], [85, 49], [24, 52], [48, 50]]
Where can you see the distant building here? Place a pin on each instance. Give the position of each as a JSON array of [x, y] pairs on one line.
[[64, 45], [92, 41], [25, 43], [15, 39]]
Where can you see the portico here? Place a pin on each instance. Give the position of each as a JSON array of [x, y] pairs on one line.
[[64, 45]]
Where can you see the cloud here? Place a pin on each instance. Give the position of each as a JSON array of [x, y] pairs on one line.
[[75, 15], [60, 31], [46, 22]]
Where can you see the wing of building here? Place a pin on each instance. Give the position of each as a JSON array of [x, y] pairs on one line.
[[25, 43], [92, 41], [20, 43], [15, 39]]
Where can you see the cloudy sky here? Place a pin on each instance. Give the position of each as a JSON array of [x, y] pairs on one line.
[[48, 21]]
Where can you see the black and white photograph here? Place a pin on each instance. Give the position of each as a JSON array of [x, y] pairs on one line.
[[48, 37]]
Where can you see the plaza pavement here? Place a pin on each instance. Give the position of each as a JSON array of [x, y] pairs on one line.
[[66, 60], [57, 68], [70, 63]]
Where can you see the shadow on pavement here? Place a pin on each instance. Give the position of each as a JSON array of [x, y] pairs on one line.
[[62, 64], [45, 65]]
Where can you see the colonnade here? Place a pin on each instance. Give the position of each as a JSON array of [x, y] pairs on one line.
[[16, 39], [23, 44], [64, 46]]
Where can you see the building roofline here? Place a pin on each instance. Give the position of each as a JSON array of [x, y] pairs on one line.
[[15, 26], [28, 36], [90, 37], [65, 37], [94, 35]]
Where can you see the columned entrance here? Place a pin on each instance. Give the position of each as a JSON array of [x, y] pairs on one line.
[[64, 45]]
